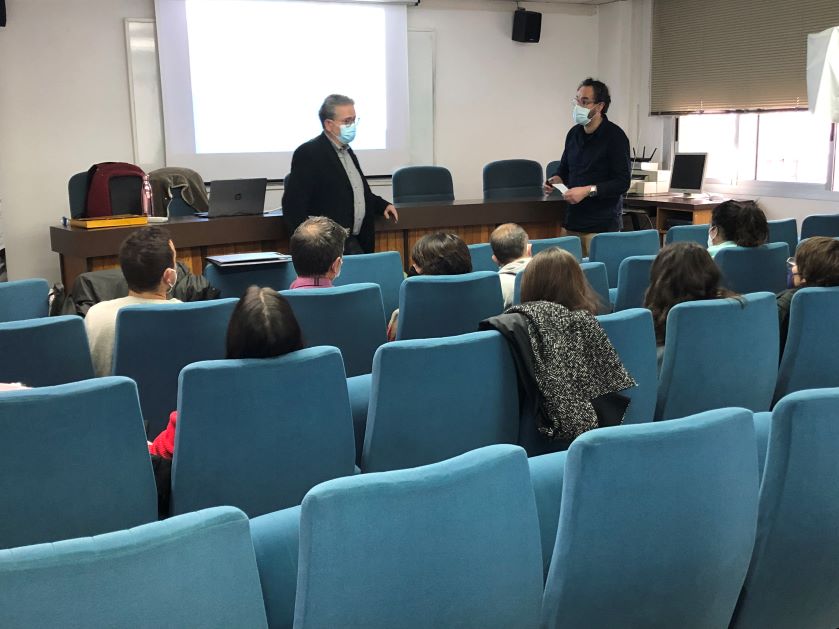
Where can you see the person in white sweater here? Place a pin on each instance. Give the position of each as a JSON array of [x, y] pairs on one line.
[[511, 252], [147, 260]]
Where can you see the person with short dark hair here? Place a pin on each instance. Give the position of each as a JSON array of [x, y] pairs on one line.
[[511, 252], [262, 325], [555, 275], [439, 253], [737, 224], [317, 250], [682, 271], [147, 259], [594, 166], [816, 263], [326, 179]]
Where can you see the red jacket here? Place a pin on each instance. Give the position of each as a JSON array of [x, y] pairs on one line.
[[164, 444]]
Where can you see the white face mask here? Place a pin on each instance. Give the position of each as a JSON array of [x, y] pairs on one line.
[[175, 280], [711, 237]]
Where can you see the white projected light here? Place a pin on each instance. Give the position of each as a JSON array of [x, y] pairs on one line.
[[243, 80]]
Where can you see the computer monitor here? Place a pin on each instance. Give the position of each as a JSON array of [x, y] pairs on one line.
[[688, 173]]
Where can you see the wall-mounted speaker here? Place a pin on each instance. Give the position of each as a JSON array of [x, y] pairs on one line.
[[2, 12], [527, 26]]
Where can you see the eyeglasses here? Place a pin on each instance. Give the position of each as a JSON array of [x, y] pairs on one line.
[[347, 121], [583, 102]]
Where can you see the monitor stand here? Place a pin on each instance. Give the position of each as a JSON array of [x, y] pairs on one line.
[[689, 195]]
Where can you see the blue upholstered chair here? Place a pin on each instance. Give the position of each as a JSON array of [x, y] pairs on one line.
[[23, 299], [633, 336], [820, 225], [633, 281], [551, 169], [754, 269], [657, 524], [454, 544], [431, 399], [383, 268], [595, 273], [258, 434], [349, 317], [611, 248], [687, 233], [76, 462], [547, 472], [153, 343], [421, 184], [719, 353], [44, 352], [811, 354], [233, 281], [784, 230], [569, 243], [511, 178], [196, 570], [276, 542], [793, 580], [177, 207], [125, 192], [445, 305], [481, 255]]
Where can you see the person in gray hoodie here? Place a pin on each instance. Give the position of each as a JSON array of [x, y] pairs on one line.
[[511, 252]]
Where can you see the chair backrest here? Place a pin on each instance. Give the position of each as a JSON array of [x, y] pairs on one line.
[[793, 580], [719, 353], [657, 524], [196, 570], [349, 317], [77, 194], [481, 255], [153, 343], [633, 281], [611, 248], [77, 462], [569, 243], [233, 281], [259, 433], [445, 305], [820, 225], [551, 169], [687, 233], [24, 299], [811, 353], [45, 352], [633, 336], [754, 269], [784, 230], [177, 206], [511, 178], [426, 405], [383, 268], [419, 184], [595, 273], [454, 544]]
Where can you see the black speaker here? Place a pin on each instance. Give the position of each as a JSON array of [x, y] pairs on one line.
[[2, 12], [527, 26]]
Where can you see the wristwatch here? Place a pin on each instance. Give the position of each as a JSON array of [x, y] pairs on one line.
[[593, 191]]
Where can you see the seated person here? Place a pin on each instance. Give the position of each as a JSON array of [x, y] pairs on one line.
[[681, 272], [511, 252], [816, 263], [262, 326], [147, 260], [566, 364], [317, 250], [737, 224], [435, 254]]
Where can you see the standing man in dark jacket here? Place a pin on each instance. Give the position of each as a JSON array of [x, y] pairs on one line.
[[594, 166], [326, 180]]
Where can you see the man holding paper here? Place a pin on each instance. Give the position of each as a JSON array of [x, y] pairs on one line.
[[594, 171]]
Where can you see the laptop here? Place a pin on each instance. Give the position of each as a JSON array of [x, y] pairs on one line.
[[236, 197]]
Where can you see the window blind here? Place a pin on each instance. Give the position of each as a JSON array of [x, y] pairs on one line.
[[719, 55]]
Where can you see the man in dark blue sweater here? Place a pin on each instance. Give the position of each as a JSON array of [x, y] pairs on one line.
[[594, 166]]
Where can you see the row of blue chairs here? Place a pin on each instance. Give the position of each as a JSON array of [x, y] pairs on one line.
[[655, 525]]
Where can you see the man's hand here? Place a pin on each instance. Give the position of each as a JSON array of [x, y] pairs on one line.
[[575, 195], [548, 186], [390, 212]]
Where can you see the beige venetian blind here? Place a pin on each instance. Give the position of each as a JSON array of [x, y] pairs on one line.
[[720, 55]]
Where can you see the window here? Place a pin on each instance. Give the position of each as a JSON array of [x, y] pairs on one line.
[[787, 147]]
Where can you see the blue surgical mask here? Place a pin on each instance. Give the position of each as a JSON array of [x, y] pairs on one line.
[[347, 133], [580, 115]]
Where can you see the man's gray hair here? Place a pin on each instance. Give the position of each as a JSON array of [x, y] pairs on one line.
[[508, 242], [327, 110]]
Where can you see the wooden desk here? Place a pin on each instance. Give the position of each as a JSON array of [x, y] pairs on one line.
[[665, 207], [82, 250]]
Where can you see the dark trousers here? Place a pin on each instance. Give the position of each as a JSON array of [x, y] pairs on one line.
[[352, 246]]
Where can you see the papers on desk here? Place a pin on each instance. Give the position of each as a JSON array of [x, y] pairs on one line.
[[247, 259]]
